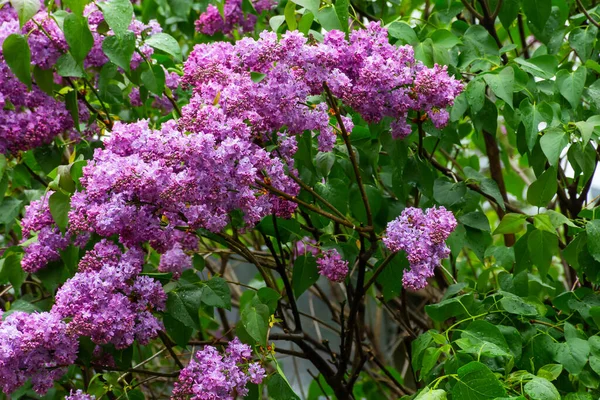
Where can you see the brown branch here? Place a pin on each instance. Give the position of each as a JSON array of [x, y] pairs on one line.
[[588, 16]]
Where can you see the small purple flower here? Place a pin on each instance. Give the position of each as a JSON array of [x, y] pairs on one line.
[[332, 266], [79, 395], [422, 236], [211, 375]]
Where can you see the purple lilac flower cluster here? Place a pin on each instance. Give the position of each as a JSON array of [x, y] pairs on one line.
[[332, 266], [212, 375], [31, 118], [374, 77], [422, 236], [49, 238], [147, 183], [34, 346], [79, 395], [109, 301], [211, 21]]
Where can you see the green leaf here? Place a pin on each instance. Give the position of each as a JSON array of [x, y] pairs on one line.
[[432, 394], [76, 6], [586, 129], [268, 297], [118, 14], [44, 79], [531, 116], [11, 271], [449, 308], [571, 84], [475, 93], [60, 205], [477, 382], [305, 274], [582, 41], [178, 331], [78, 36], [542, 245], [543, 189], [553, 142], [592, 228], [67, 66], [511, 223], [290, 15], [509, 12], [255, 320], [279, 388], [216, 293], [476, 220], [18, 57], [502, 84], [72, 105], [310, 5], [183, 305], [541, 389], [25, 10], [154, 79], [276, 21], [481, 337], [550, 371], [120, 49], [573, 354], [403, 32], [537, 12], [328, 19], [167, 43], [9, 210], [517, 305], [306, 22], [341, 9]]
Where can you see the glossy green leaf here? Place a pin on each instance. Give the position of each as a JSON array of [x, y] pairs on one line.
[[17, 55], [25, 9], [167, 43], [118, 14], [477, 382], [120, 49], [78, 36]]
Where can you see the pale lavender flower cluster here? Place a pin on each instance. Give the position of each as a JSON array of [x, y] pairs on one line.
[[79, 395], [422, 236], [109, 301], [34, 346], [271, 83], [211, 21], [212, 375], [97, 58], [147, 183], [332, 266], [49, 238]]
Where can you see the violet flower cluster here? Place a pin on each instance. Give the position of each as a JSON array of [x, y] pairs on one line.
[[49, 238], [271, 83], [147, 183], [34, 346], [109, 301], [212, 375], [422, 236], [332, 266], [29, 119], [79, 395], [234, 18]]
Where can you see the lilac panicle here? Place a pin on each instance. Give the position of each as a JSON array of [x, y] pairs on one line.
[[422, 236], [331, 265], [34, 346], [213, 375]]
